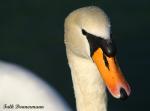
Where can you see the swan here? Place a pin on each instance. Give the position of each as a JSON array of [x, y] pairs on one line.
[[91, 58], [21, 89]]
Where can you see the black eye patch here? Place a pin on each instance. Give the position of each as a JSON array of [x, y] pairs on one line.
[[98, 42], [84, 32]]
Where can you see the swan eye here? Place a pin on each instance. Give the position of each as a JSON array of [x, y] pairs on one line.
[[84, 32], [105, 61], [96, 42]]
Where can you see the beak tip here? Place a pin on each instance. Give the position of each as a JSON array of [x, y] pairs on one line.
[[123, 94]]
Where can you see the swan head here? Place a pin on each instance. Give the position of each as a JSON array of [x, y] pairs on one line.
[[87, 35]]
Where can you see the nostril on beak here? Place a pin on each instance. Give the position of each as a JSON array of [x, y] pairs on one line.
[[123, 94]]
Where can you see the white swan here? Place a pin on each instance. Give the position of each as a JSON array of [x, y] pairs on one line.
[[90, 53], [91, 56], [21, 90]]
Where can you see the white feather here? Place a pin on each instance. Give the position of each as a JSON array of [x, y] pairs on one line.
[[20, 86]]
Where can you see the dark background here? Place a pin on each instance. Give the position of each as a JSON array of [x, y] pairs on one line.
[[31, 35]]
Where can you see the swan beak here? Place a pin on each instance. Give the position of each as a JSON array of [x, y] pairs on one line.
[[111, 74]]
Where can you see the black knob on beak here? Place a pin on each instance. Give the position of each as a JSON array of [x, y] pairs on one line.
[[109, 48], [96, 42]]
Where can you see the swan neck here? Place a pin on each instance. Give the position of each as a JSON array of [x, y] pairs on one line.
[[88, 86]]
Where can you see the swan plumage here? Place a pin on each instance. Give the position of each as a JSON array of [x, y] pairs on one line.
[[91, 57], [19, 86]]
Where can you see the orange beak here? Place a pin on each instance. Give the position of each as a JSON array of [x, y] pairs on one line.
[[111, 74]]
